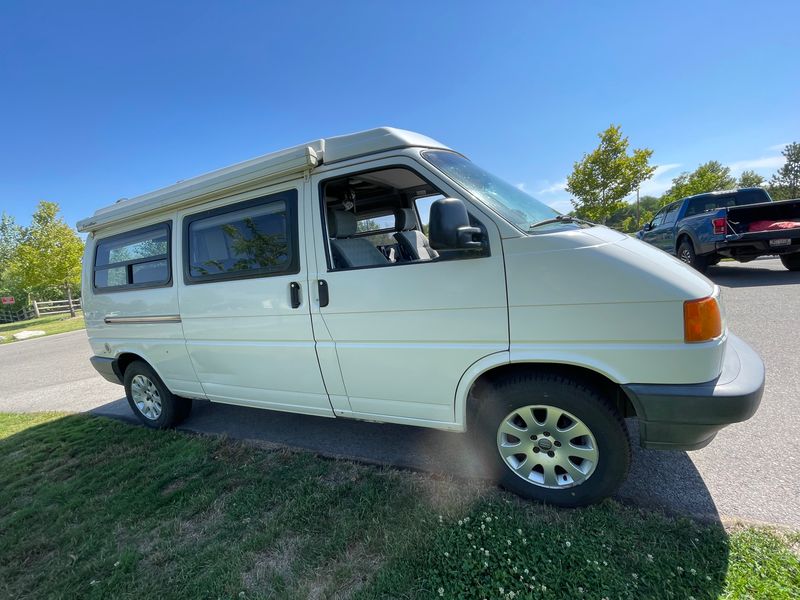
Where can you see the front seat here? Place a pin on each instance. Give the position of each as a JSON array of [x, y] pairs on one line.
[[349, 251], [413, 242]]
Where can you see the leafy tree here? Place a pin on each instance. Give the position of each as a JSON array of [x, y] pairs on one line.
[[624, 219], [49, 253], [601, 179], [708, 177], [785, 184], [10, 234], [750, 179]]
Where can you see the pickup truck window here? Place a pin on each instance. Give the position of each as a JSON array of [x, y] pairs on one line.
[[658, 219], [672, 214]]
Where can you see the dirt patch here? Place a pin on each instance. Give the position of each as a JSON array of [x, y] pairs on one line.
[[342, 578], [274, 562]]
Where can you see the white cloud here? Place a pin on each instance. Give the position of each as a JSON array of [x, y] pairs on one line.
[[778, 147], [767, 162], [559, 186], [562, 206], [660, 182]]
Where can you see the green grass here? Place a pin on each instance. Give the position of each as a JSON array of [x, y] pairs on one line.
[[94, 508], [50, 325]]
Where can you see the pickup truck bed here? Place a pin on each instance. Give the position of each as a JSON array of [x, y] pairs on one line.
[[702, 229]]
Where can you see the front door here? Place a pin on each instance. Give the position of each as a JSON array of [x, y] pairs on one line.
[[404, 326], [244, 302]]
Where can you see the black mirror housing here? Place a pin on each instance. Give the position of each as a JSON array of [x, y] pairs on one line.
[[449, 227]]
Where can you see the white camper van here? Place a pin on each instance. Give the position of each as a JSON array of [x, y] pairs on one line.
[[383, 276]]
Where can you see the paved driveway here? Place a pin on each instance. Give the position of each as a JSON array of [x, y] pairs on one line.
[[751, 470]]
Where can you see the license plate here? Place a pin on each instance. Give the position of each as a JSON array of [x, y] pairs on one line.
[[780, 242]]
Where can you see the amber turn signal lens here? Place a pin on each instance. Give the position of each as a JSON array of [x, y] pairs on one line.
[[701, 320]]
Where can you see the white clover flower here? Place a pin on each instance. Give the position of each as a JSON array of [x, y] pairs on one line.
[[679, 569], [650, 558], [116, 564], [441, 591], [469, 536], [486, 552], [708, 578], [635, 576], [485, 564], [501, 590], [519, 531], [508, 542], [567, 544], [460, 522], [525, 571], [580, 590], [692, 571], [544, 588], [447, 554]]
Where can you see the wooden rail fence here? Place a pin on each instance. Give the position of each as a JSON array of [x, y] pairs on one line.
[[38, 309]]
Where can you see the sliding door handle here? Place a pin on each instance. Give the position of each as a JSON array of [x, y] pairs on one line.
[[294, 294], [322, 288]]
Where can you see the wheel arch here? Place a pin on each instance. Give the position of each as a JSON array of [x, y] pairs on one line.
[[477, 382], [685, 234]]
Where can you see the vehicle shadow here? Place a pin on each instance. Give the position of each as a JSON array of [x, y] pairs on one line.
[[663, 480], [761, 273]]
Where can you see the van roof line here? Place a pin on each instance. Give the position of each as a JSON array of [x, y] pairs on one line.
[[263, 168]]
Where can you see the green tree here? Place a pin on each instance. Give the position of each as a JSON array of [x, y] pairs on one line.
[[601, 179], [708, 177], [10, 234], [49, 253], [785, 184], [750, 179]]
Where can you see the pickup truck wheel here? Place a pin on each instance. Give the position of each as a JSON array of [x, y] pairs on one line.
[[791, 261], [687, 254], [150, 399], [554, 440]]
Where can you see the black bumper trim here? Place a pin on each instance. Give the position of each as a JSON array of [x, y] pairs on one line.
[[107, 367], [687, 417]]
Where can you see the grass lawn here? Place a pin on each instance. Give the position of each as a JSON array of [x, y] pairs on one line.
[[50, 324], [95, 508]]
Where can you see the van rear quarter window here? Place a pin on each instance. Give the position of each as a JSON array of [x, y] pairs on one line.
[[248, 239], [134, 259]]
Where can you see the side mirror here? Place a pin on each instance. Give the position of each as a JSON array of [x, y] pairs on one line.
[[449, 227], [647, 227]]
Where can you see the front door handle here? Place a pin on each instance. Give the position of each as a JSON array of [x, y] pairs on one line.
[[294, 294], [322, 288]]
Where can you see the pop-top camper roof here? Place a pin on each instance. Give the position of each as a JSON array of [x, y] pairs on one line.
[[262, 169]]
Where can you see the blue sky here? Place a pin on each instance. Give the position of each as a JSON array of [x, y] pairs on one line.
[[106, 100]]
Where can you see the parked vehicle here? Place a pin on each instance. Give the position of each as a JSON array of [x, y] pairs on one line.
[[382, 276], [742, 224]]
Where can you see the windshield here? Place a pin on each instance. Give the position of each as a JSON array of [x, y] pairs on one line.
[[508, 201]]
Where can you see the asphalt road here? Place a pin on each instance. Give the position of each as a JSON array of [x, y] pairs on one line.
[[751, 471]]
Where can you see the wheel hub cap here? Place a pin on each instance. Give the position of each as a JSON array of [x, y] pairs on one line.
[[547, 446], [146, 397]]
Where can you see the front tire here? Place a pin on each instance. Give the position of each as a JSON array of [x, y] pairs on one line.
[[150, 399], [687, 254], [553, 439], [791, 261]]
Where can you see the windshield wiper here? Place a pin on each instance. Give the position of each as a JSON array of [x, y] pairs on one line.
[[561, 219]]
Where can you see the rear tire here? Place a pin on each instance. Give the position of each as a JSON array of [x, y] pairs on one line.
[[528, 428], [791, 261], [150, 399], [687, 254]]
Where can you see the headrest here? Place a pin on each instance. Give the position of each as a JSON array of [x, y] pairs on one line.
[[405, 219], [341, 224]]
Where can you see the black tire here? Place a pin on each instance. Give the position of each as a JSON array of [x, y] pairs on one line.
[[562, 394], [791, 261], [173, 409], [713, 260], [687, 254]]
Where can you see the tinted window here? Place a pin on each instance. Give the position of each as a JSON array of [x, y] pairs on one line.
[[248, 239], [658, 219], [134, 259], [672, 214]]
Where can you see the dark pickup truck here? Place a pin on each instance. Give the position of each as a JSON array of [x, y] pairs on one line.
[[741, 224]]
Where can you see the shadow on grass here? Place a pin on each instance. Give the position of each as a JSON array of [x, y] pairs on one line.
[[91, 507]]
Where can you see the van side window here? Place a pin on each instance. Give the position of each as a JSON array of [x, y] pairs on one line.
[[379, 218], [256, 238], [134, 260]]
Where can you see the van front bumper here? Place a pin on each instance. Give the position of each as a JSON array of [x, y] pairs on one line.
[[687, 417]]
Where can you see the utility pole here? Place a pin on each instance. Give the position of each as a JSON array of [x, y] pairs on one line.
[[637, 210]]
